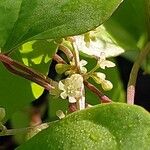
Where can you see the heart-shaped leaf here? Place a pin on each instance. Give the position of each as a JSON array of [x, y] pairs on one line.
[[107, 127], [50, 19]]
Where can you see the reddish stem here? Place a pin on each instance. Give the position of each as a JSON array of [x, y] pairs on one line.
[[25, 72], [103, 98]]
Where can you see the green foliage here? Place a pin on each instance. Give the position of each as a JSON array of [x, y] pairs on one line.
[[2, 113], [114, 126], [20, 92], [52, 19], [130, 23], [30, 30]]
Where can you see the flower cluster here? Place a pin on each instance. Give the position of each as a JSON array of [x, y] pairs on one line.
[[97, 44]]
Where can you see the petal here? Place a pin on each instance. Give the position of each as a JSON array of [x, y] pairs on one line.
[[102, 56], [107, 63], [100, 75], [63, 95], [72, 99], [82, 103], [83, 70], [61, 86], [78, 94], [83, 62]]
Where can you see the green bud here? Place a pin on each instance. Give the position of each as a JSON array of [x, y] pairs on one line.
[[60, 114], [62, 68], [107, 85], [98, 77]]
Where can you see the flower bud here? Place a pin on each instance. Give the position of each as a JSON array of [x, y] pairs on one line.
[[60, 114], [61, 68], [98, 77], [107, 85]]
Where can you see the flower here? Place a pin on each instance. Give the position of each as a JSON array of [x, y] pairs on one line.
[[103, 63], [72, 87]]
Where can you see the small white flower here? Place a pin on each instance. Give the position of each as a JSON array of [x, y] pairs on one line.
[[71, 87], [103, 63]]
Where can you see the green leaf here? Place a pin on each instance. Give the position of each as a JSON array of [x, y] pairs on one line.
[[56, 104], [20, 119], [9, 13], [117, 94], [54, 19], [97, 41], [62, 68], [17, 92], [128, 25], [2, 113], [38, 55], [107, 127]]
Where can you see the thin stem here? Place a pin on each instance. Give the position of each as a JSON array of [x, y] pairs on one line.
[[8, 132], [134, 72], [40, 82], [81, 101], [76, 57], [58, 59], [25, 72], [91, 87], [22, 67], [72, 107], [67, 51], [93, 70]]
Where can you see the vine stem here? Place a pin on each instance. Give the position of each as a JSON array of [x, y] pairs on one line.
[[25, 72], [134, 72], [103, 98]]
